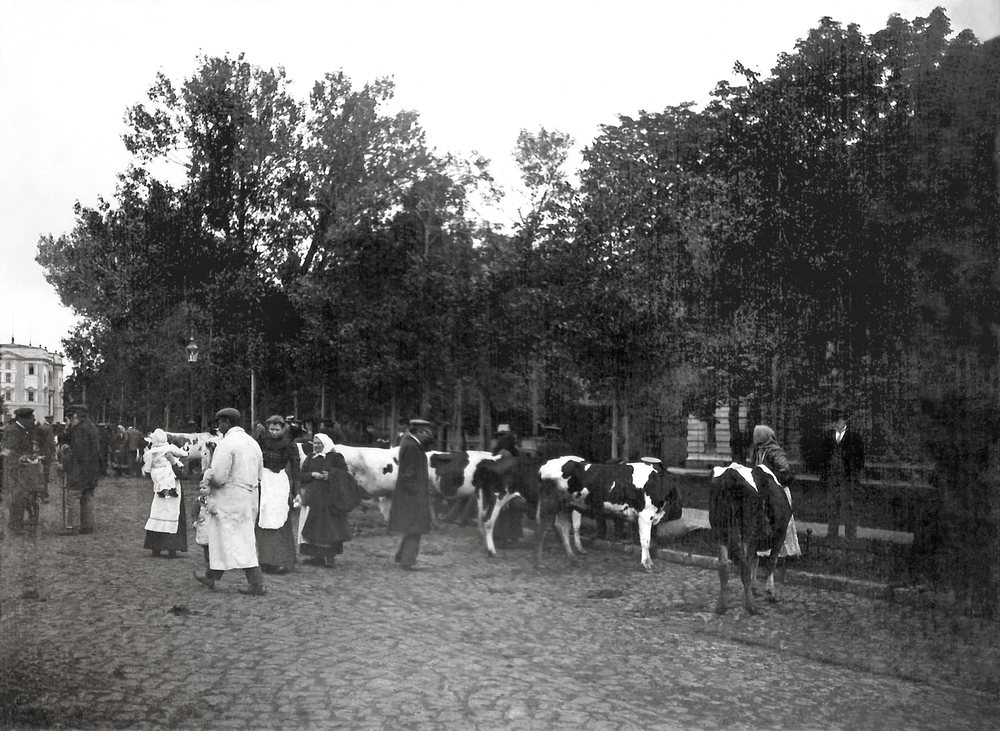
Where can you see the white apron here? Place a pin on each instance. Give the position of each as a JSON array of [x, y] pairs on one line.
[[165, 511], [274, 492], [791, 545], [231, 519]]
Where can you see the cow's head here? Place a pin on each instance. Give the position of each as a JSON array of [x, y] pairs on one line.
[[662, 490], [449, 471]]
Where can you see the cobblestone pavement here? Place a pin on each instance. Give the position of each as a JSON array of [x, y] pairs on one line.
[[95, 633]]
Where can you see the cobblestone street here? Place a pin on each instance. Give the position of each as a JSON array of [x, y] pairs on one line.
[[98, 634]]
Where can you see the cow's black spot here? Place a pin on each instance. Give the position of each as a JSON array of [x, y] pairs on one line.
[[387, 470]]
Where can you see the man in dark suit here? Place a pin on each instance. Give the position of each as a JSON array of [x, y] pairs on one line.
[[22, 470], [83, 463], [410, 513], [842, 468]]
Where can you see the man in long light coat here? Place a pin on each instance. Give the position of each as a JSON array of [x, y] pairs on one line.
[[234, 480]]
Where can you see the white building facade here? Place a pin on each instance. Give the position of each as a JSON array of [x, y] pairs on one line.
[[31, 376]]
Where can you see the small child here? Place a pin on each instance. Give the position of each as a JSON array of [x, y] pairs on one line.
[[205, 505]]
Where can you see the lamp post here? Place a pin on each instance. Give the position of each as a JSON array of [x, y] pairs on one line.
[[192, 358]]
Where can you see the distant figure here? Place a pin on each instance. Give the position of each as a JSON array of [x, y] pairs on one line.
[[843, 466], [506, 441], [47, 448], [410, 513], [552, 444], [402, 429], [333, 430], [83, 463], [134, 443]]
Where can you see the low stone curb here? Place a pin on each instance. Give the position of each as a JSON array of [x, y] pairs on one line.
[[914, 596]]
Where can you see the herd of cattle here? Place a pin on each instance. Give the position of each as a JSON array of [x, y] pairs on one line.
[[748, 511]]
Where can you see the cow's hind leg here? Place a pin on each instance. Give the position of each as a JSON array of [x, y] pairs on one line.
[[541, 528], [770, 562], [748, 570], [720, 607], [577, 520], [563, 524]]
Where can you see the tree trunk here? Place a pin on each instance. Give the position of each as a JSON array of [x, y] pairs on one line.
[[484, 421], [614, 426], [536, 377], [458, 434], [627, 438]]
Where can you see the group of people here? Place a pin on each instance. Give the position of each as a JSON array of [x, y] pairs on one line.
[[30, 449], [259, 510], [841, 471]]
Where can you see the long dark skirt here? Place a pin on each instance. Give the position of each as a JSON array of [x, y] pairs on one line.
[[170, 541], [276, 546]]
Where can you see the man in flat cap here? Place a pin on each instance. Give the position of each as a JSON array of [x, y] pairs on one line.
[[19, 453], [410, 513], [551, 444], [234, 481], [83, 463]]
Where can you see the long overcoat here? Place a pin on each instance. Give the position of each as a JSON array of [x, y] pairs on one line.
[[324, 525], [410, 513], [83, 460]]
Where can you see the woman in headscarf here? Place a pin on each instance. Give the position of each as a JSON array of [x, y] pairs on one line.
[[766, 451], [276, 523], [166, 529], [325, 484]]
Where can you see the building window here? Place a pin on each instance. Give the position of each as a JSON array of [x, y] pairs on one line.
[[31, 369], [9, 378], [31, 396]]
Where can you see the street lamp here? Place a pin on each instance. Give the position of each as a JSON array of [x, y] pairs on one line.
[[192, 356]]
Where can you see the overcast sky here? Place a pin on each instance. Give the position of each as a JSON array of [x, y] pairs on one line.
[[477, 73]]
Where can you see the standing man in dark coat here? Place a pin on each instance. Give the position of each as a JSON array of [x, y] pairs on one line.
[[508, 527], [83, 463], [842, 468], [19, 452], [410, 513], [552, 444], [134, 443]]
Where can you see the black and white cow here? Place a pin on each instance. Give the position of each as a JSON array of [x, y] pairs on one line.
[[451, 473], [748, 512], [636, 491], [376, 471], [199, 446], [504, 483]]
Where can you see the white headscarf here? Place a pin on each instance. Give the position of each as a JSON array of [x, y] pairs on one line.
[[325, 441], [158, 438]]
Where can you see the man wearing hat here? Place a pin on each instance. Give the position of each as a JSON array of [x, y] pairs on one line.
[[508, 528], [83, 463], [19, 450], [842, 468], [234, 481], [552, 444], [410, 513]]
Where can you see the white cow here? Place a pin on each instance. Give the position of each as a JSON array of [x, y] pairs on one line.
[[199, 446]]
